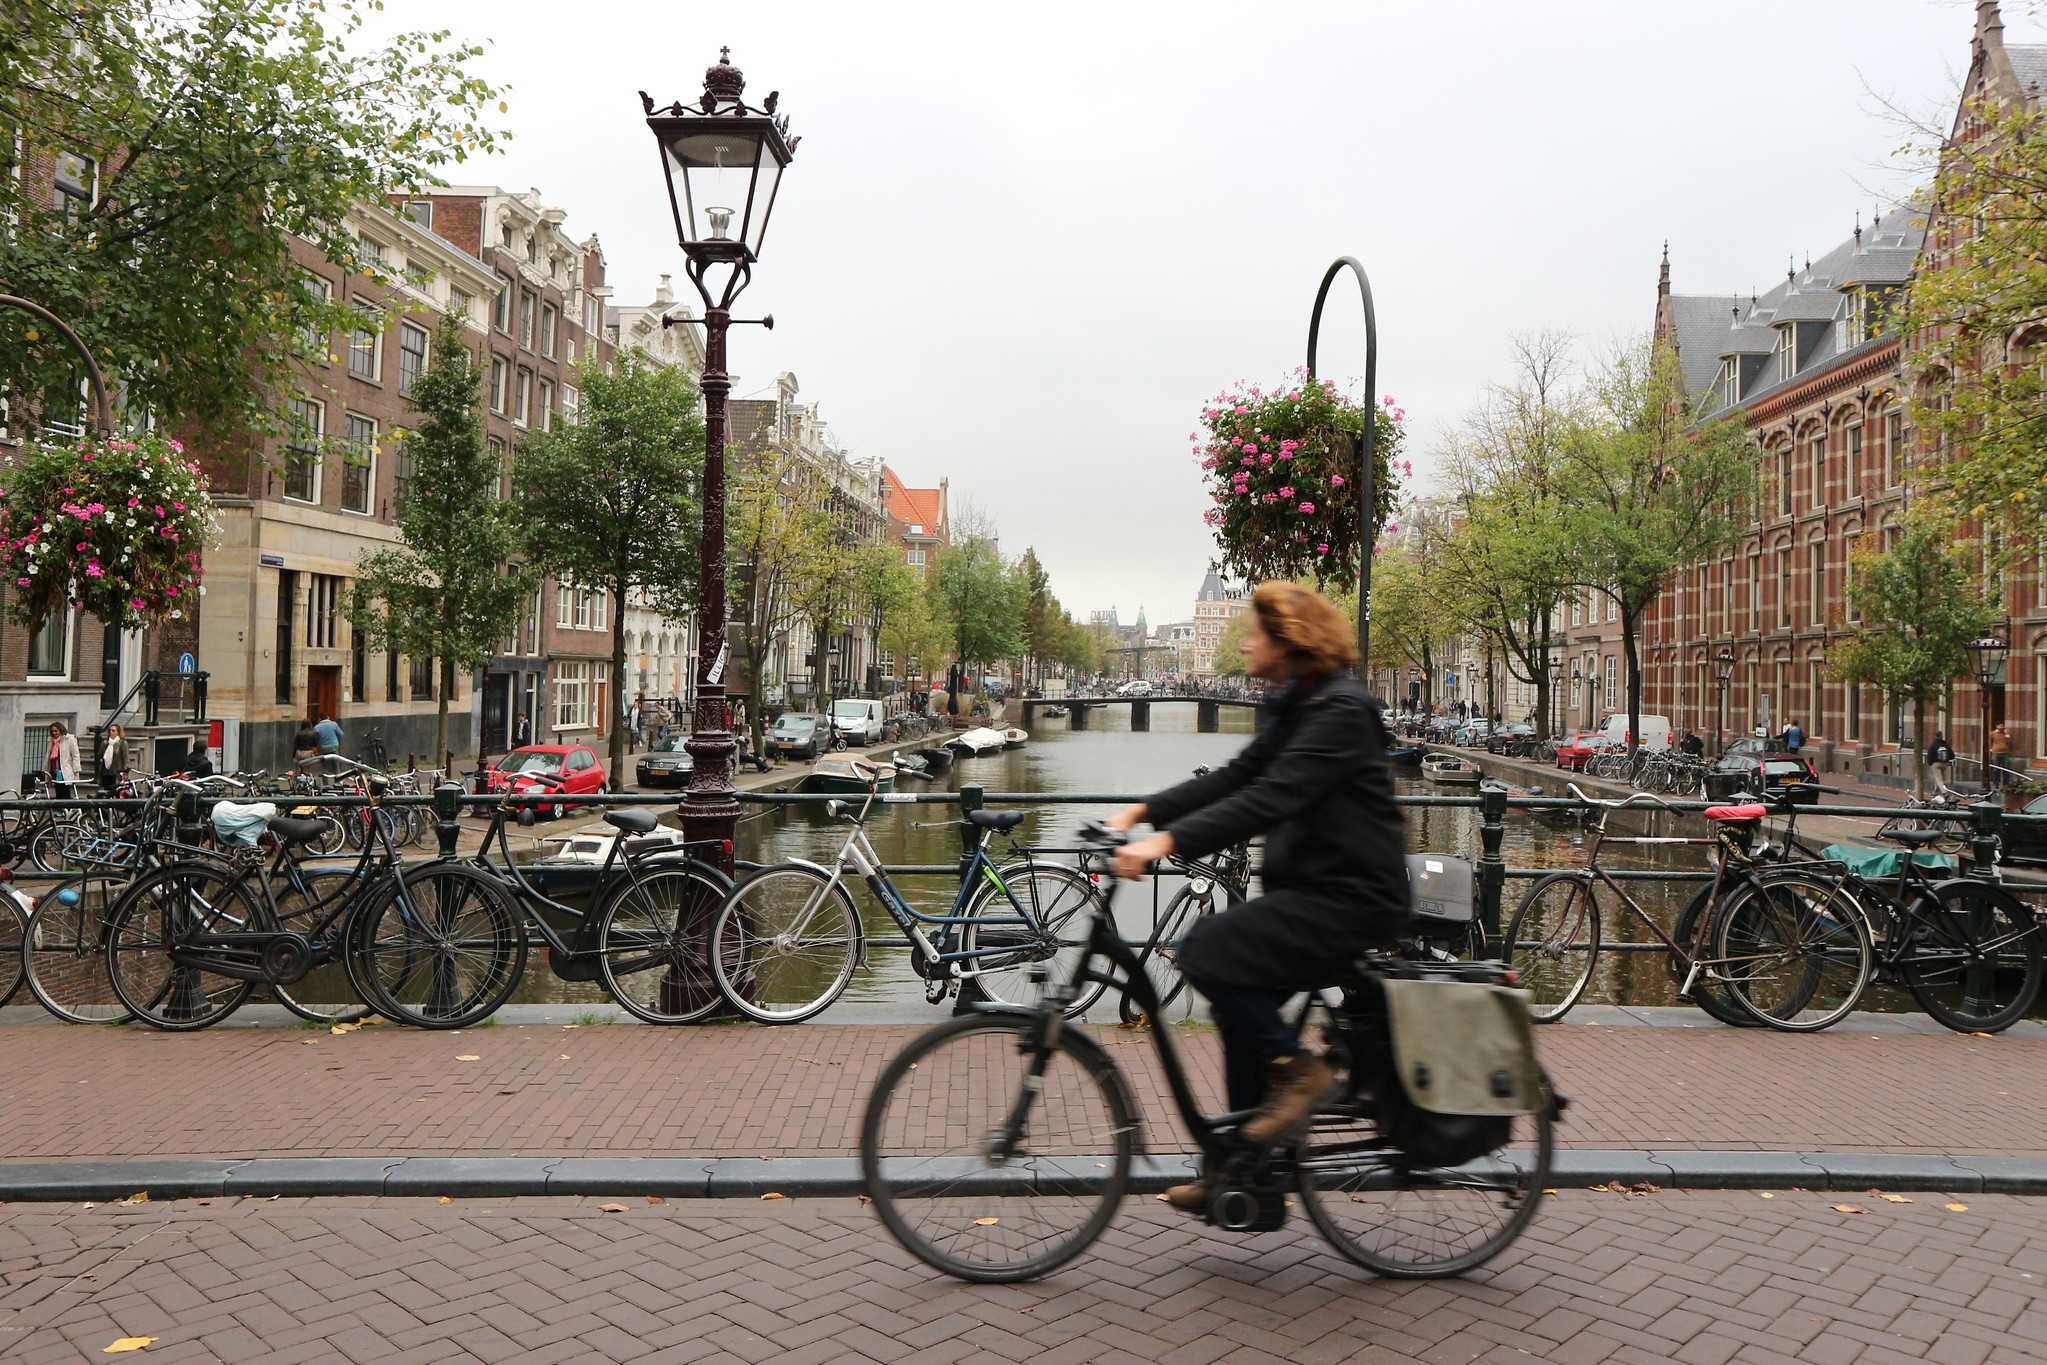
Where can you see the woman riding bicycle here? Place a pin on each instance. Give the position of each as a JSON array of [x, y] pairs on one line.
[[1316, 784]]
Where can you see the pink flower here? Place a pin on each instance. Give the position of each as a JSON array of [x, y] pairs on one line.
[[177, 447], [1305, 508], [1240, 409], [1392, 526], [1400, 414], [1336, 480], [1322, 548], [135, 502], [1389, 400], [1246, 460], [1271, 498], [21, 582], [1250, 447], [1286, 490], [93, 569], [136, 603]]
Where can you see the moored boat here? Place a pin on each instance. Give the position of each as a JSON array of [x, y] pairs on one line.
[[1013, 738], [977, 741], [1055, 712], [1449, 770], [1406, 755], [839, 775], [936, 758]]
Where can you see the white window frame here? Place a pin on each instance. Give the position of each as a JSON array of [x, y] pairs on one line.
[[1786, 351], [572, 696], [70, 644], [63, 200], [1730, 382], [564, 604], [370, 249], [405, 331], [1612, 671], [915, 556], [546, 396], [529, 305], [500, 383], [374, 316], [316, 342], [522, 396], [1851, 455], [369, 466], [572, 404], [550, 328], [319, 434], [410, 212], [501, 305]]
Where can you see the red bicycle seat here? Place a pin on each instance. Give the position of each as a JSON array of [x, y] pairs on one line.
[[1737, 813]]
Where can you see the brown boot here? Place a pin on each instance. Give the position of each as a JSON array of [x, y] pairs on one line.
[[1300, 1084], [1191, 1198]]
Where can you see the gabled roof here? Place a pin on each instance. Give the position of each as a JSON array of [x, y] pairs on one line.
[[912, 506]]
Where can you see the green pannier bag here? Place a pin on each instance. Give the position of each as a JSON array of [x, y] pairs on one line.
[[1463, 1063]]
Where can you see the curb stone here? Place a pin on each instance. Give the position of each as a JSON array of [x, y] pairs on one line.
[[834, 1176]]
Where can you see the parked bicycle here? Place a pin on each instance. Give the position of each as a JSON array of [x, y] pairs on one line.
[[1039, 1131], [788, 938]]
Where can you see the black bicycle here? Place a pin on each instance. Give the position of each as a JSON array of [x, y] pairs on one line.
[[999, 1146]]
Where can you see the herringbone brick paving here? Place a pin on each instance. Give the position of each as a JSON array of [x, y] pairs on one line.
[[1694, 1278], [75, 1092]]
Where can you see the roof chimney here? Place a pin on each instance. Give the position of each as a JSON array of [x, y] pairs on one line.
[[1989, 27], [665, 295]]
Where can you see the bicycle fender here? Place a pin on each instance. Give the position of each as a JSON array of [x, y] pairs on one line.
[[859, 929], [1091, 1055]]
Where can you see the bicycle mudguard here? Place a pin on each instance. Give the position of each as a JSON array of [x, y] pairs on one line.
[[1091, 1055]]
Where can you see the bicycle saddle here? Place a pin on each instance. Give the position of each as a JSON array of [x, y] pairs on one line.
[[631, 821], [1741, 813], [293, 830], [1914, 837], [997, 820]]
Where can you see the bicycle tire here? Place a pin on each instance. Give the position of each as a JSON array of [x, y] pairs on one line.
[[1563, 930], [671, 942], [1708, 992], [329, 973], [1948, 983], [475, 947], [1762, 944], [163, 908], [64, 954], [1159, 957], [49, 848], [1009, 982], [754, 960], [13, 947], [982, 1200]]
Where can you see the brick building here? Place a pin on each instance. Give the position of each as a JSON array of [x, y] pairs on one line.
[[918, 519], [1214, 605]]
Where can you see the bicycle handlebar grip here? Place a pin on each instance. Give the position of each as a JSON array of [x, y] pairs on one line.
[[1097, 833]]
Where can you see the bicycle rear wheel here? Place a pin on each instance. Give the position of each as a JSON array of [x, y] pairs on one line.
[[1973, 959], [785, 944], [64, 957], [13, 939], [324, 995], [158, 927], [1160, 957], [442, 953], [653, 945], [1059, 899], [1553, 942], [931, 1154], [1794, 951]]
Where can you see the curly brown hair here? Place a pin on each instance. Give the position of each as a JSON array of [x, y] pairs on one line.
[[1314, 634]]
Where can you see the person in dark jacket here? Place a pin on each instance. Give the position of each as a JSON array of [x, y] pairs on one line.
[[1315, 783]]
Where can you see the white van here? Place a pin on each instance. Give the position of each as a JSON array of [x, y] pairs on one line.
[[858, 721], [1655, 731]]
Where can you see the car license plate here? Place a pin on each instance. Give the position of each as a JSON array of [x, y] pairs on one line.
[[1790, 779]]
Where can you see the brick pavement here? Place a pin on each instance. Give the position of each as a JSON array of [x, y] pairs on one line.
[[69, 1092], [1692, 1278]]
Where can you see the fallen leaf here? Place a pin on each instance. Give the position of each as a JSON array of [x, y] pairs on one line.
[[1846, 1208], [446, 1199], [90, 1204], [467, 1057], [338, 1029], [655, 1199], [1982, 1035], [1894, 1199], [986, 1222], [139, 1197], [311, 1042], [1767, 1195], [123, 1345], [369, 1019], [567, 1027], [1549, 1191], [1957, 1208], [611, 1208], [565, 1056], [771, 1195], [1642, 1187]]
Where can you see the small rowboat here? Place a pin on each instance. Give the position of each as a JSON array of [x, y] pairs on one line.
[[1449, 770], [839, 775], [1406, 756], [1013, 738]]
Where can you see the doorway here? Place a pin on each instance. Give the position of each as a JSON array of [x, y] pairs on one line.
[[497, 711], [323, 691]]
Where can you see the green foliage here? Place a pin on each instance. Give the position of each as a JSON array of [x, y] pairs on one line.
[[1229, 646], [776, 516], [1282, 473], [611, 501], [1411, 614], [979, 602], [445, 592], [219, 129]]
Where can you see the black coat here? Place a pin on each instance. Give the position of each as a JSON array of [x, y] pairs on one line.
[[1315, 783]]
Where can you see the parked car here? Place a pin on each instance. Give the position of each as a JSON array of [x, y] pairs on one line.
[[556, 769], [1574, 753], [2027, 843], [1136, 687], [859, 721], [1761, 766], [799, 734], [1473, 733], [1504, 738], [667, 764]]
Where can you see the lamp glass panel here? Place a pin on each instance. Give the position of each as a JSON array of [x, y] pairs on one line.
[[713, 166]]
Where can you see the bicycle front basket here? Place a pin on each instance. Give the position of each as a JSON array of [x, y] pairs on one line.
[[1463, 1047]]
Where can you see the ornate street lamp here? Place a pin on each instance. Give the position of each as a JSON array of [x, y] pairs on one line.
[[1553, 713], [1723, 674], [1989, 652], [723, 161], [1577, 678]]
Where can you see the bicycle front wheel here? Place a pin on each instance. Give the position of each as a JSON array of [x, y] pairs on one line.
[[785, 944], [1973, 960], [653, 945], [13, 942], [64, 957], [992, 1159], [1794, 951], [1059, 904], [1553, 942], [443, 951], [158, 930]]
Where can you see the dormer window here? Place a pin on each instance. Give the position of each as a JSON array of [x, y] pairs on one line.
[[1855, 327], [1787, 351], [1730, 381]]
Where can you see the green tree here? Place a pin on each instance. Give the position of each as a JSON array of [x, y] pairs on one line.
[[979, 602], [1645, 490], [916, 636], [1412, 615], [1229, 646], [197, 139], [775, 518], [1040, 608], [610, 501], [1919, 607], [890, 588], [448, 591]]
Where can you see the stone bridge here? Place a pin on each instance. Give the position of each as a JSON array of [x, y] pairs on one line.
[[1207, 710]]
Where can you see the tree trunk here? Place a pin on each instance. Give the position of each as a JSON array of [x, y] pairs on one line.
[[1542, 682], [615, 764], [1629, 621], [1919, 742], [440, 728]]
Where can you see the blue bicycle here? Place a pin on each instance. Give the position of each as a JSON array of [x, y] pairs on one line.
[[787, 940]]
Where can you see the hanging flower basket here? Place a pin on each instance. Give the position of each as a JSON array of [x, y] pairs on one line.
[[1282, 477], [118, 526]]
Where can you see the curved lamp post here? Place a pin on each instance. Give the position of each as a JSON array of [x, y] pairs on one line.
[[1988, 651], [102, 403], [1723, 674], [723, 161], [1367, 495]]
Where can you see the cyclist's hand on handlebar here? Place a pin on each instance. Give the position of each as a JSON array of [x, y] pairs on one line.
[[1123, 821], [1134, 858]]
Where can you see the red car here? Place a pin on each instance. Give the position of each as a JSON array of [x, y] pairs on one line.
[[564, 769], [1574, 753]]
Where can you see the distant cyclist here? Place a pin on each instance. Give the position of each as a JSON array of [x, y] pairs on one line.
[[1315, 783]]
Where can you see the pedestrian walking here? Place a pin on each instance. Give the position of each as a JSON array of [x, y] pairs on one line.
[[1794, 737], [113, 759], [330, 734], [1940, 761], [305, 746], [522, 732], [2000, 750], [63, 759]]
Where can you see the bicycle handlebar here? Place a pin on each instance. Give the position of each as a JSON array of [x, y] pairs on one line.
[[1629, 800]]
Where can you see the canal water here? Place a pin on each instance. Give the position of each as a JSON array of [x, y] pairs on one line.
[[1109, 758]]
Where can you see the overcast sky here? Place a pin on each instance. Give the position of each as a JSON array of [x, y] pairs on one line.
[[1020, 244]]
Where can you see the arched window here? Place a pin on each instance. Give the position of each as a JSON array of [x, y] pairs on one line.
[[1784, 584], [1816, 568], [1784, 479], [1851, 541], [1851, 457], [1816, 461]]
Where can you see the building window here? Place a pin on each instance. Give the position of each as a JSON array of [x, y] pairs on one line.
[[412, 343], [1851, 447], [359, 464], [526, 305], [363, 356], [590, 313], [529, 629], [370, 252], [287, 603], [1816, 556], [501, 306], [358, 664], [401, 478], [550, 321], [1784, 585], [1784, 480], [495, 446], [916, 556], [1856, 323], [323, 597], [420, 211], [1577, 611], [1787, 351], [1730, 382], [314, 337], [49, 646], [391, 676], [1816, 457], [569, 351], [77, 182], [571, 696], [1851, 715], [1613, 608], [458, 303], [564, 604], [422, 681], [302, 450], [522, 398], [572, 404], [500, 381], [1612, 672], [547, 405], [1894, 433]]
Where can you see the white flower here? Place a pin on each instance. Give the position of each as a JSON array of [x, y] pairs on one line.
[[131, 521], [110, 517], [202, 590], [177, 616]]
